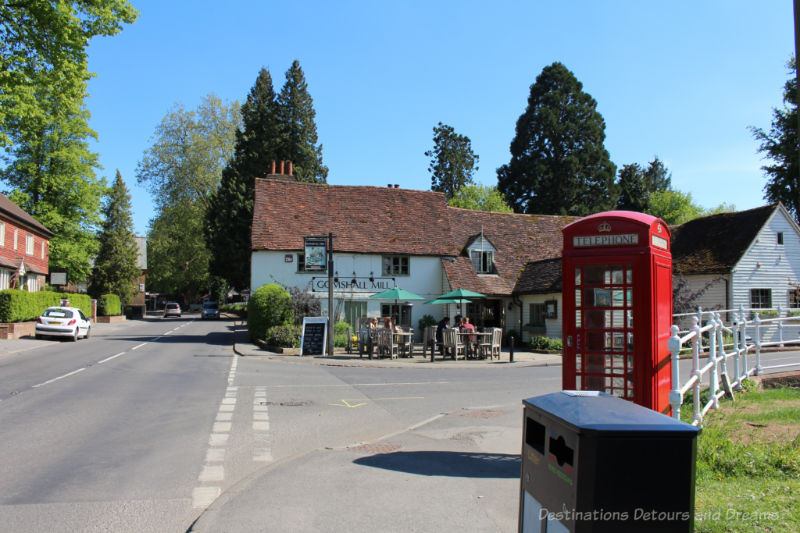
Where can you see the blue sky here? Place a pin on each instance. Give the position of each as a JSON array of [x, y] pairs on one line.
[[682, 80]]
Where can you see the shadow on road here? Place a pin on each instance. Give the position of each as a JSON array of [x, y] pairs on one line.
[[451, 464]]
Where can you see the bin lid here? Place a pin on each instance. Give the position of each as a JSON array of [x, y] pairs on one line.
[[590, 411]]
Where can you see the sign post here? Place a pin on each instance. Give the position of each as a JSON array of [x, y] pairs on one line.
[[330, 294]]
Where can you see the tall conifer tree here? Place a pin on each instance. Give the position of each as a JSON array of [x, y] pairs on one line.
[[274, 128], [558, 162], [298, 141], [115, 268]]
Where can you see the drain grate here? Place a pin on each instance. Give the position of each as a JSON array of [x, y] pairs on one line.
[[484, 413], [290, 403], [375, 448]]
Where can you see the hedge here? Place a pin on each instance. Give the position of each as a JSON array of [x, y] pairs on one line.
[[270, 305], [109, 305], [21, 306]]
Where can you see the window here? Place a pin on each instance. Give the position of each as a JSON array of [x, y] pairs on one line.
[[42, 249], [5, 278], [395, 265], [538, 313], [301, 262], [780, 237], [401, 314], [16, 235], [482, 261], [760, 298], [2, 234], [551, 309], [29, 244], [793, 298]]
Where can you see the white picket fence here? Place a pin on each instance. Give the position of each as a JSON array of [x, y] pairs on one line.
[[727, 363]]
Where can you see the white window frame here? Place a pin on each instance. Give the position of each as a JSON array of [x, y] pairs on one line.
[[30, 244], [5, 279], [42, 248], [760, 293], [396, 265], [16, 237], [2, 234]]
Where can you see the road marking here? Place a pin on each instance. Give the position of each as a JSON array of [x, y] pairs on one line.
[[139, 346], [224, 417], [346, 403], [59, 377], [221, 427], [215, 455], [262, 452], [110, 358], [350, 385], [202, 497], [261, 425], [211, 473]]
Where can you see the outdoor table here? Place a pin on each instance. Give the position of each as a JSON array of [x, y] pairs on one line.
[[405, 339], [473, 345]]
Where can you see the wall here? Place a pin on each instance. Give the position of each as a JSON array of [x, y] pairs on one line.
[[8, 252], [552, 325]]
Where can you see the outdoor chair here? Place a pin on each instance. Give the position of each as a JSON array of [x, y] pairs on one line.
[[453, 345], [497, 339]]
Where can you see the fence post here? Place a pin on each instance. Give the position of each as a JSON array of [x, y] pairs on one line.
[[696, 345], [720, 333], [675, 396], [780, 326], [699, 321], [737, 334], [757, 322], [712, 355]]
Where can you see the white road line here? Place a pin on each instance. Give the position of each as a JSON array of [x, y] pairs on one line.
[[138, 346], [211, 473], [110, 358], [59, 377], [202, 497]]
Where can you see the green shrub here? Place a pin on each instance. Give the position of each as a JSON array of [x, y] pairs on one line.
[[340, 333], [109, 305], [284, 336], [538, 344], [426, 321], [269, 305], [21, 306], [239, 310]]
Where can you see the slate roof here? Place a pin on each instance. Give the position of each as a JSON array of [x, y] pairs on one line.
[[363, 219], [540, 277], [714, 244], [518, 239], [16, 213]]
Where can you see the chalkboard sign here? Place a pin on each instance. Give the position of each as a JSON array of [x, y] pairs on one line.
[[314, 339]]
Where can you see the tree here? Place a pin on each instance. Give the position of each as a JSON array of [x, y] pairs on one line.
[[780, 146], [674, 207], [182, 169], [273, 128], [115, 267], [633, 194], [298, 132], [558, 162], [50, 172], [43, 45], [177, 258], [636, 184], [480, 198], [453, 163]]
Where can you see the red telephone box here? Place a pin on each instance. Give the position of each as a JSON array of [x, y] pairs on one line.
[[617, 294]]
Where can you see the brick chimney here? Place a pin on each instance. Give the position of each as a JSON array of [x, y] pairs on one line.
[[280, 169]]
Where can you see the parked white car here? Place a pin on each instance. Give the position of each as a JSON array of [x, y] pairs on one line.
[[63, 322]]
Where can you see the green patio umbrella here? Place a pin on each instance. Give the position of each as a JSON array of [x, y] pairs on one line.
[[396, 294], [461, 293], [445, 301]]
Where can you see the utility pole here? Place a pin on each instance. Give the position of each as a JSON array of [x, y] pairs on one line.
[[330, 292]]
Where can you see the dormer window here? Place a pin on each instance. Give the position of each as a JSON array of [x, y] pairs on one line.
[[481, 253], [482, 261]]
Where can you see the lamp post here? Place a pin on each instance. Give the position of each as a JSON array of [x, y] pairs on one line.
[[330, 294]]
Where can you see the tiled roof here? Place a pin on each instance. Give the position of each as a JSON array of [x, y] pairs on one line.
[[363, 219], [519, 239], [714, 244], [540, 277], [12, 210], [378, 220]]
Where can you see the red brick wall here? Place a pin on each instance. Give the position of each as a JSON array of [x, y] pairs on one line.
[[8, 252]]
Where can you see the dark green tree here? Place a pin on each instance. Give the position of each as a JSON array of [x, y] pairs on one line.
[[298, 131], [559, 164], [453, 163], [115, 268], [273, 128], [636, 184], [229, 219], [780, 146], [633, 194]]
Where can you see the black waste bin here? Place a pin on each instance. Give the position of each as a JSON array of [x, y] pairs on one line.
[[592, 462]]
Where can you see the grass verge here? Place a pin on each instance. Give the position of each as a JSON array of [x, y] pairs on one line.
[[748, 464]]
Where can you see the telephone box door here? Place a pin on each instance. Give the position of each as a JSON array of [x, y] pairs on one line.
[[601, 341]]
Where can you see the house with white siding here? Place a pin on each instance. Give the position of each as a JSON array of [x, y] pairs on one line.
[[747, 258]]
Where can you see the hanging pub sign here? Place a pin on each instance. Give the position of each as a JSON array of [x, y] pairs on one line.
[[315, 251]]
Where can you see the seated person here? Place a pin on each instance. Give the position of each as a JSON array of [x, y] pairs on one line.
[[443, 324], [466, 327], [387, 323]]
